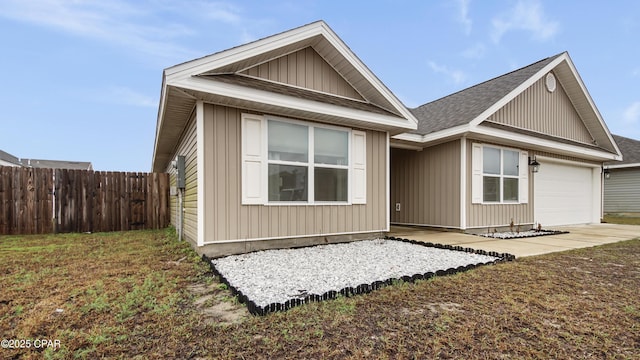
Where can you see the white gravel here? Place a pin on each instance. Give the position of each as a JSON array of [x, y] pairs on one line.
[[275, 276], [521, 234]]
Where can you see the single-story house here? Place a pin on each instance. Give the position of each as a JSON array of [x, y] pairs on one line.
[[622, 179], [524, 148], [7, 159], [280, 142], [292, 141]]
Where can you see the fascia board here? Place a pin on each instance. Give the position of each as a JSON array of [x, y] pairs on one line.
[[423, 139], [517, 91], [623, 166], [532, 140], [396, 145], [592, 104], [408, 137], [290, 102], [230, 56], [344, 50], [160, 120]]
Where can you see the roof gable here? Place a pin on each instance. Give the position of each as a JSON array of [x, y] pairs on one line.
[[305, 68], [545, 112], [464, 106], [316, 35], [465, 110], [219, 78]]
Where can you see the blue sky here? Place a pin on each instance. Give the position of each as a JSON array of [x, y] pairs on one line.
[[81, 79]]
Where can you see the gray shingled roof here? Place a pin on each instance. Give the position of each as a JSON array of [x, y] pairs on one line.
[[630, 149], [463, 106], [9, 158], [57, 164]]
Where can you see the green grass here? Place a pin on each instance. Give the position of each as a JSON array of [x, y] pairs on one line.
[[126, 296], [630, 219]]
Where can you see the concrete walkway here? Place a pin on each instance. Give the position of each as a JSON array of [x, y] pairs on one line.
[[579, 236]]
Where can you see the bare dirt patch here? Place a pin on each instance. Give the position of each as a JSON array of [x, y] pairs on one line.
[[217, 305]]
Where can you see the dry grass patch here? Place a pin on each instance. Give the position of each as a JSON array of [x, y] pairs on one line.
[[143, 295]]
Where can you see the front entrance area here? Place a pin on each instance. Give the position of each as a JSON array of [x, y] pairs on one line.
[[566, 193]]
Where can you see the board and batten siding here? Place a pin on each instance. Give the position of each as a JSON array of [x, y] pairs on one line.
[[495, 215], [187, 146], [426, 184], [500, 215], [227, 219], [622, 191], [305, 68], [545, 112]]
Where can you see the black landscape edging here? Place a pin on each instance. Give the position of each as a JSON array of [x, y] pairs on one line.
[[362, 288]]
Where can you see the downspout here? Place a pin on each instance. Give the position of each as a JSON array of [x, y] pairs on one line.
[[179, 166], [180, 214]]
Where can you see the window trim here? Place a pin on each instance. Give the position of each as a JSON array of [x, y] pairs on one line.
[[310, 164], [501, 176]]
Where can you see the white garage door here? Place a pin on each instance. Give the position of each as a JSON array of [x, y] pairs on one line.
[[564, 194]]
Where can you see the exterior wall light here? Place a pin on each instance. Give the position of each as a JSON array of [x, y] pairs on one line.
[[535, 166], [607, 173]]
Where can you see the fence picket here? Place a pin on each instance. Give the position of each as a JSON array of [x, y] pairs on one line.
[[38, 201]]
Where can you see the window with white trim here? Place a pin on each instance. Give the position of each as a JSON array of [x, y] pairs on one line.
[[303, 163], [499, 175], [303, 157]]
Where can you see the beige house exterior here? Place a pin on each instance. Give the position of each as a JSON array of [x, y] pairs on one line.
[[467, 166], [292, 141], [285, 143]]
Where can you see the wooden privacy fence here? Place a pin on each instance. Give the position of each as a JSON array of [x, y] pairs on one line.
[[38, 201]]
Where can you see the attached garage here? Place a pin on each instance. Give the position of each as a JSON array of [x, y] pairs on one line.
[[566, 193]]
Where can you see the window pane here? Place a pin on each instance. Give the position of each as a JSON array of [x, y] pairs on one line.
[[288, 142], [490, 160], [287, 183], [491, 189], [510, 188], [511, 160], [330, 184], [331, 146]]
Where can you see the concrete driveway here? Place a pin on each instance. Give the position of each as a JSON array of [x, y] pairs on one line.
[[579, 236]]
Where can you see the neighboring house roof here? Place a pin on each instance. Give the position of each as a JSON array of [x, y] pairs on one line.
[[7, 159], [469, 111], [215, 78], [57, 164], [630, 149], [39, 163]]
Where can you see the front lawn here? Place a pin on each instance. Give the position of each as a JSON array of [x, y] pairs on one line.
[[143, 295], [627, 219]]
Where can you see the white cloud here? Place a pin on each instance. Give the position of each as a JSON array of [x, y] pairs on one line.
[[224, 12], [463, 15], [631, 114], [526, 16], [476, 51], [457, 76], [128, 96], [131, 25]]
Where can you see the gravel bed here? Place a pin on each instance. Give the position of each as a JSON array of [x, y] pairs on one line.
[[277, 276]]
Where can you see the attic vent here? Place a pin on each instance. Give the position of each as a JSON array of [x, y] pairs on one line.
[[550, 81]]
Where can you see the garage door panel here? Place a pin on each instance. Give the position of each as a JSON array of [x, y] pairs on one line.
[[563, 194]]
